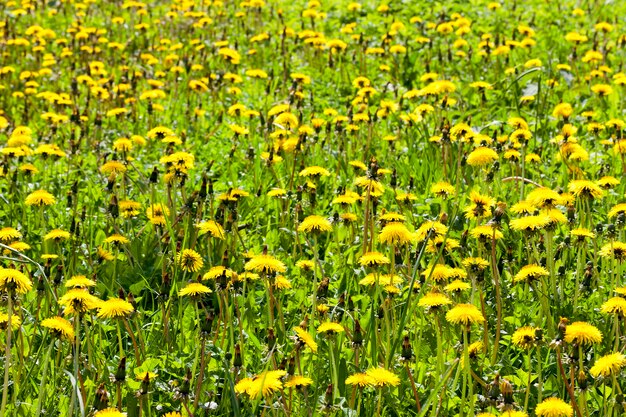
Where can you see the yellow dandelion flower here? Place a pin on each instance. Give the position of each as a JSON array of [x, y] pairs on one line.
[[305, 339], [530, 223], [190, 260], [480, 206], [39, 198], [315, 223], [330, 328], [433, 300], [109, 412], [373, 259], [486, 232], [465, 314], [582, 333], [16, 321], [156, 214], [264, 384], [395, 234], [585, 189], [482, 156], [115, 308], [194, 289], [615, 250], [543, 197], [265, 264], [614, 305], [525, 337], [608, 365], [298, 381], [79, 301], [314, 172], [442, 189], [79, 281], [554, 407], [369, 185], [431, 229], [12, 280], [8, 234], [60, 327], [382, 377], [117, 240], [618, 209], [530, 273], [361, 380]]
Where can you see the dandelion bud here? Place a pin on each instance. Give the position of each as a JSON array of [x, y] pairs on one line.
[[582, 380], [185, 386], [611, 232], [291, 369], [571, 214], [207, 323], [312, 197], [58, 276], [114, 207], [494, 388], [271, 338], [165, 286], [381, 312], [599, 228], [47, 269], [154, 176], [102, 398], [203, 188], [339, 310], [561, 328], [145, 385], [41, 285], [507, 391], [329, 395], [322, 289], [357, 336], [407, 350], [131, 299], [237, 361], [120, 374]]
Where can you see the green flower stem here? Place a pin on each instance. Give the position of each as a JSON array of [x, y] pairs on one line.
[[44, 379], [7, 355]]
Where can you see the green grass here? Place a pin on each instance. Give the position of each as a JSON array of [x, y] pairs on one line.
[[108, 103]]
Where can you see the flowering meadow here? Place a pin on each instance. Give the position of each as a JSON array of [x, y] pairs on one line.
[[312, 208]]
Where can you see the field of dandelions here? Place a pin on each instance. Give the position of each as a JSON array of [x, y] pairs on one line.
[[312, 208]]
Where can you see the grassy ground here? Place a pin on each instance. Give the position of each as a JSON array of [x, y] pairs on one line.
[[304, 208]]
